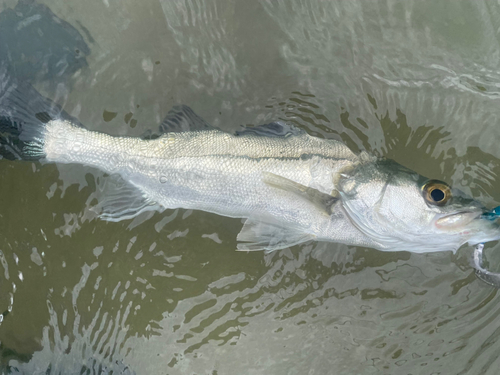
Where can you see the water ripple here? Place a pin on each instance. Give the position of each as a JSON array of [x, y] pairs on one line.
[[415, 81]]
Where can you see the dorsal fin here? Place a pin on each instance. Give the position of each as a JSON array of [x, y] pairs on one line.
[[182, 118], [273, 129]]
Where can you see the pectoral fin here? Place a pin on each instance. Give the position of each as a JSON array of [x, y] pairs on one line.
[[269, 235], [321, 200]]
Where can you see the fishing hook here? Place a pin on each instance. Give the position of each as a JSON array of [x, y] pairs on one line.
[[491, 278]]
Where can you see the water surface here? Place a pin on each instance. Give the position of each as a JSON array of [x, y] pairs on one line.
[[415, 81]]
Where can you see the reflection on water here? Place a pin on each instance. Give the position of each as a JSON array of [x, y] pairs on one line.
[[415, 81]]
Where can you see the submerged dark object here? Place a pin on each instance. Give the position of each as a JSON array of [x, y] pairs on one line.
[[35, 44]]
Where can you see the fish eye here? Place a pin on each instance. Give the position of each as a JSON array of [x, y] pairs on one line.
[[436, 192]]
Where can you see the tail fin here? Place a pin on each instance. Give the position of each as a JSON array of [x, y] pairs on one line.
[[23, 115]]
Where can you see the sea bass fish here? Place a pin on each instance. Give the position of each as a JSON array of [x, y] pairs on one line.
[[290, 187]]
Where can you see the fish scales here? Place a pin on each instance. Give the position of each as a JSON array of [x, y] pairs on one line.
[[210, 170]]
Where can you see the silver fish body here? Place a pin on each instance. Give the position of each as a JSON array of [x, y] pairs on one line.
[[222, 173], [290, 188]]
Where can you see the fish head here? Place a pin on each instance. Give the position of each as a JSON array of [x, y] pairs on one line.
[[401, 210]]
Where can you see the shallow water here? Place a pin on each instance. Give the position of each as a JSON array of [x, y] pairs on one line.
[[416, 81]]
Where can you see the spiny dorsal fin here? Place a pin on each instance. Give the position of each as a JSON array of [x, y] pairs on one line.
[[321, 200], [182, 118], [273, 129]]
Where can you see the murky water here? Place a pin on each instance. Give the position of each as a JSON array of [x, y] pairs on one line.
[[416, 81]]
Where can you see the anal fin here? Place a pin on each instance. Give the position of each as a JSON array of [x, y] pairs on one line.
[[120, 200]]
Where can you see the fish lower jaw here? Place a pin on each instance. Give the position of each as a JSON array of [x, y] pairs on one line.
[[482, 231], [483, 239], [456, 221]]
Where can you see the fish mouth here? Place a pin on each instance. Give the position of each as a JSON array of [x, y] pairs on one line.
[[474, 226], [458, 220]]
